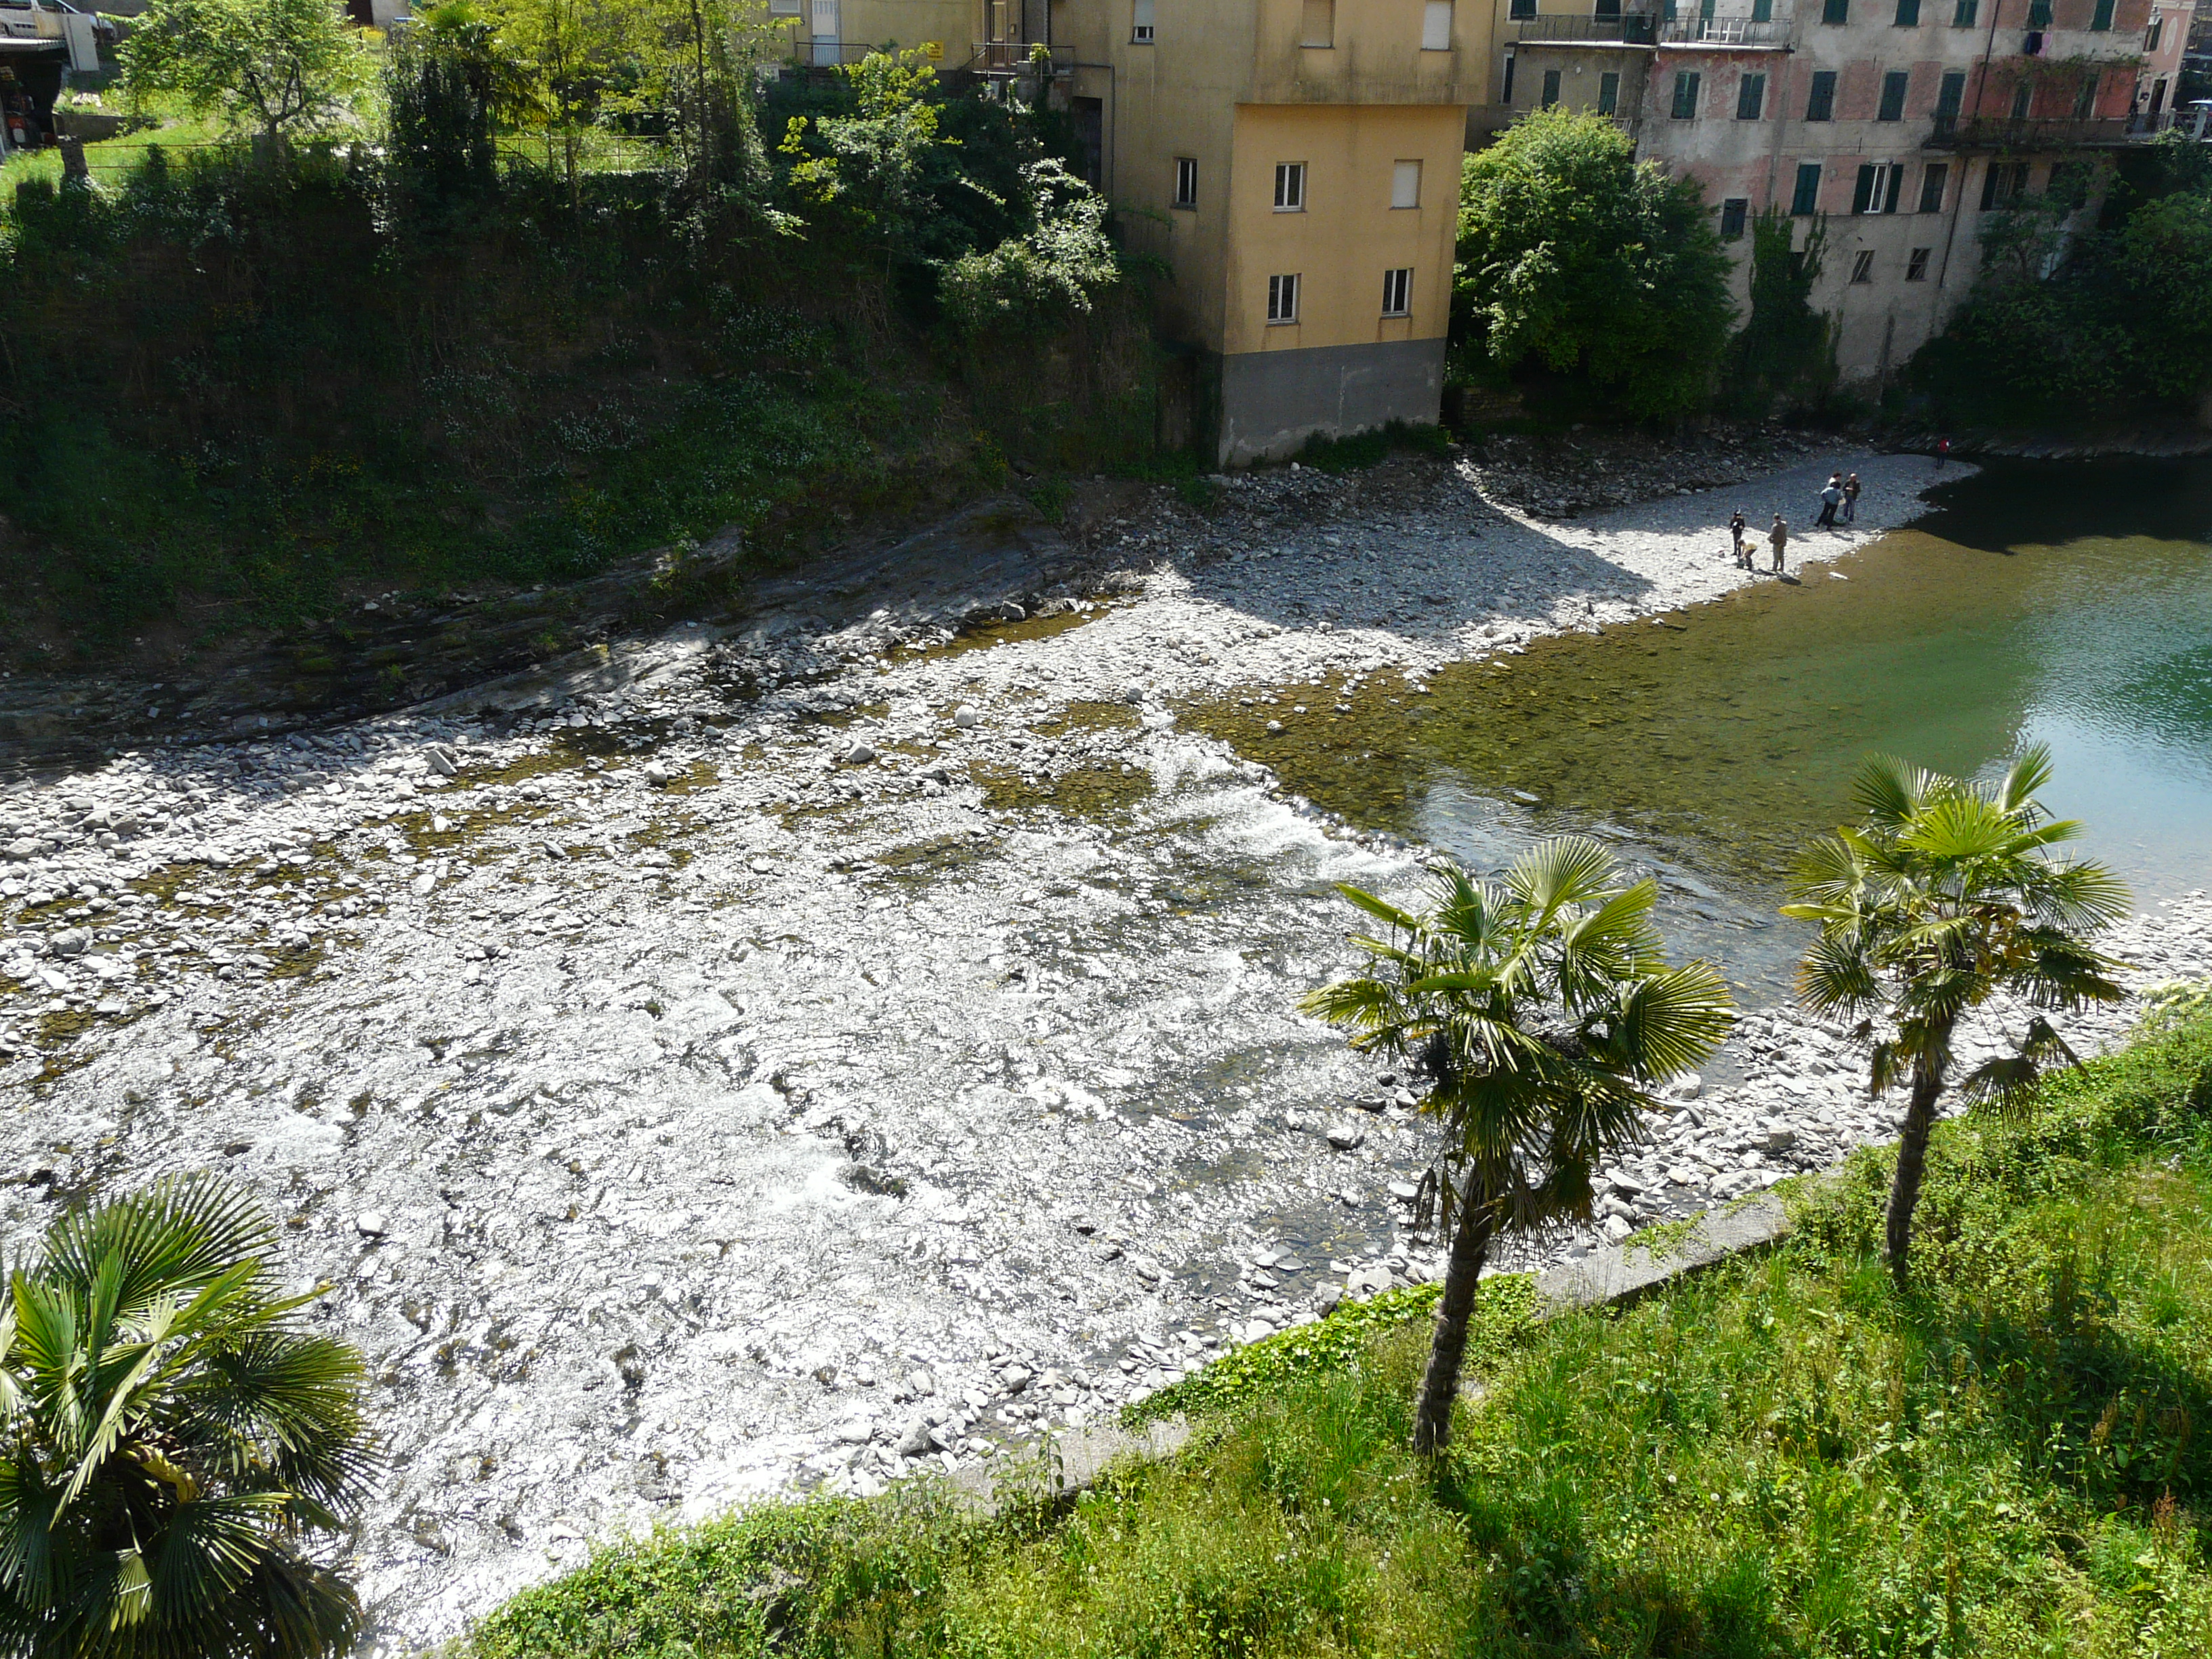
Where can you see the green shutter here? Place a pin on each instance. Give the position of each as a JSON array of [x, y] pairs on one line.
[[1863, 193], [2103, 17]]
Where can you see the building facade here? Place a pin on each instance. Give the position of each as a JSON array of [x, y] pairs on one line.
[[1295, 162], [1895, 124]]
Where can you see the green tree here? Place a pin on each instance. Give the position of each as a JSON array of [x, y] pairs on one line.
[[1542, 1011], [279, 66], [169, 1440], [1943, 896], [871, 169], [1573, 254]]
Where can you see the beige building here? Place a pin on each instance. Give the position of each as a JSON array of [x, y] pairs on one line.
[[1295, 162]]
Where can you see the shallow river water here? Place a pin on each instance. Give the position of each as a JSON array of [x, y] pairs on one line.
[[2066, 605]]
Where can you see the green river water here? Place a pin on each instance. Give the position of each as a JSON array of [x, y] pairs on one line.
[[2069, 603]]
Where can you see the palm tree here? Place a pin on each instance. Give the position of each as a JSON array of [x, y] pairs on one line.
[[169, 1440], [1542, 1012], [1943, 896]]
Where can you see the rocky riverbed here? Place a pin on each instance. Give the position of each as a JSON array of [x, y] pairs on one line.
[[857, 1037]]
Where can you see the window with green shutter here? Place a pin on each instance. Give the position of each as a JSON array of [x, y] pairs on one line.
[[1894, 86], [2102, 17], [1806, 198], [1962, 14], [1820, 101], [1835, 11], [1908, 13], [1685, 94]]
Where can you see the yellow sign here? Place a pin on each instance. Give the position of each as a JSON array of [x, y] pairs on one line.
[[935, 51]]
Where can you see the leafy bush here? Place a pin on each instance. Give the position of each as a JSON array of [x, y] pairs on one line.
[[1574, 256]]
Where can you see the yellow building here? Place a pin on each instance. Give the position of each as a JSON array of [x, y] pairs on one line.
[[1294, 162]]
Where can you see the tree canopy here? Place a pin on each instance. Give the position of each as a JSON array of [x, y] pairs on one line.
[[276, 65], [1574, 255]]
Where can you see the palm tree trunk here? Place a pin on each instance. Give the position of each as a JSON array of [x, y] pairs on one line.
[[1448, 1344], [1911, 1167]]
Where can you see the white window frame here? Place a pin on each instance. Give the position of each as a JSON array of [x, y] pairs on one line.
[[1186, 173], [1142, 20], [1290, 187], [1437, 26], [1405, 185], [1283, 300], [1398, 285]]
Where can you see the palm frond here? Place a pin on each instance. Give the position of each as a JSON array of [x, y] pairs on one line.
[[1567, 870], [2030, 771], [1886, 791], [1673, 1020]]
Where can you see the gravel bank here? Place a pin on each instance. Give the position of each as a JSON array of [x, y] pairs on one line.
[[800, 1051]]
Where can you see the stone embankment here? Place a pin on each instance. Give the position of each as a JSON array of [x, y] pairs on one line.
[[842, 1041]]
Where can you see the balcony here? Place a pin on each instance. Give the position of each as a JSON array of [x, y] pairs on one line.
[[1635, 29], [1724, 32], [830, 54], [1000, 58], [1984, 132]]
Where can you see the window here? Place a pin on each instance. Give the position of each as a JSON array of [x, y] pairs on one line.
[[2085, 98], [2157, 29], [1762, 11], [1140, 21], [1608, 93], [2003, 185], [1733, 212], [1551, 88], [1932, 184], [1283, 299], [1835, 11], [1398, 292], [2101, 18], [1750, 97], [1405, 184], [2038, 13], [1186, 194], [1820, 102], [1290, 187], [1318, 26], [1862, 265], [1437, 26], [1950, 94], [2023, 100], [1506, 96], [1806, 198], [1916, 265], [1522, 10], [1685, 94], [1962, 14], [1893, 87], [1878, 186], [2157, 95], [1908, 13]]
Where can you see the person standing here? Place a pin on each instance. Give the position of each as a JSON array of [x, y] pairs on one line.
[[1851, 487], [1737, 525], [1942, 452], [1831, 497], [1778, 539]]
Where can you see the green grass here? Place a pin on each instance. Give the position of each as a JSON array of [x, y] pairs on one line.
[[1781, 1456]]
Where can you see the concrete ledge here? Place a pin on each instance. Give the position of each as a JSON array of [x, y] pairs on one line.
[[1614, 1273], [1621, 1272]]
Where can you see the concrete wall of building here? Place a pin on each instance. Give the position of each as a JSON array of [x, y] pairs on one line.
[[1347, 234], [955, 25], [1273, 401]]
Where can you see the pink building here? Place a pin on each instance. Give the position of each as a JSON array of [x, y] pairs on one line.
[[1901, 122]]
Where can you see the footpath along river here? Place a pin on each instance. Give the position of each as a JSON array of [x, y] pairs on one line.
[[851, 1039]]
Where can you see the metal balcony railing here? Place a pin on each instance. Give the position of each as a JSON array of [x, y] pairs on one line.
[[1013, 57], [830, 54], [2000, 133], [1631, 30], [1724, 32]]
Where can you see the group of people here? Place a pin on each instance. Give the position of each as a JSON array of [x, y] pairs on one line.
[[1840, 495]]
